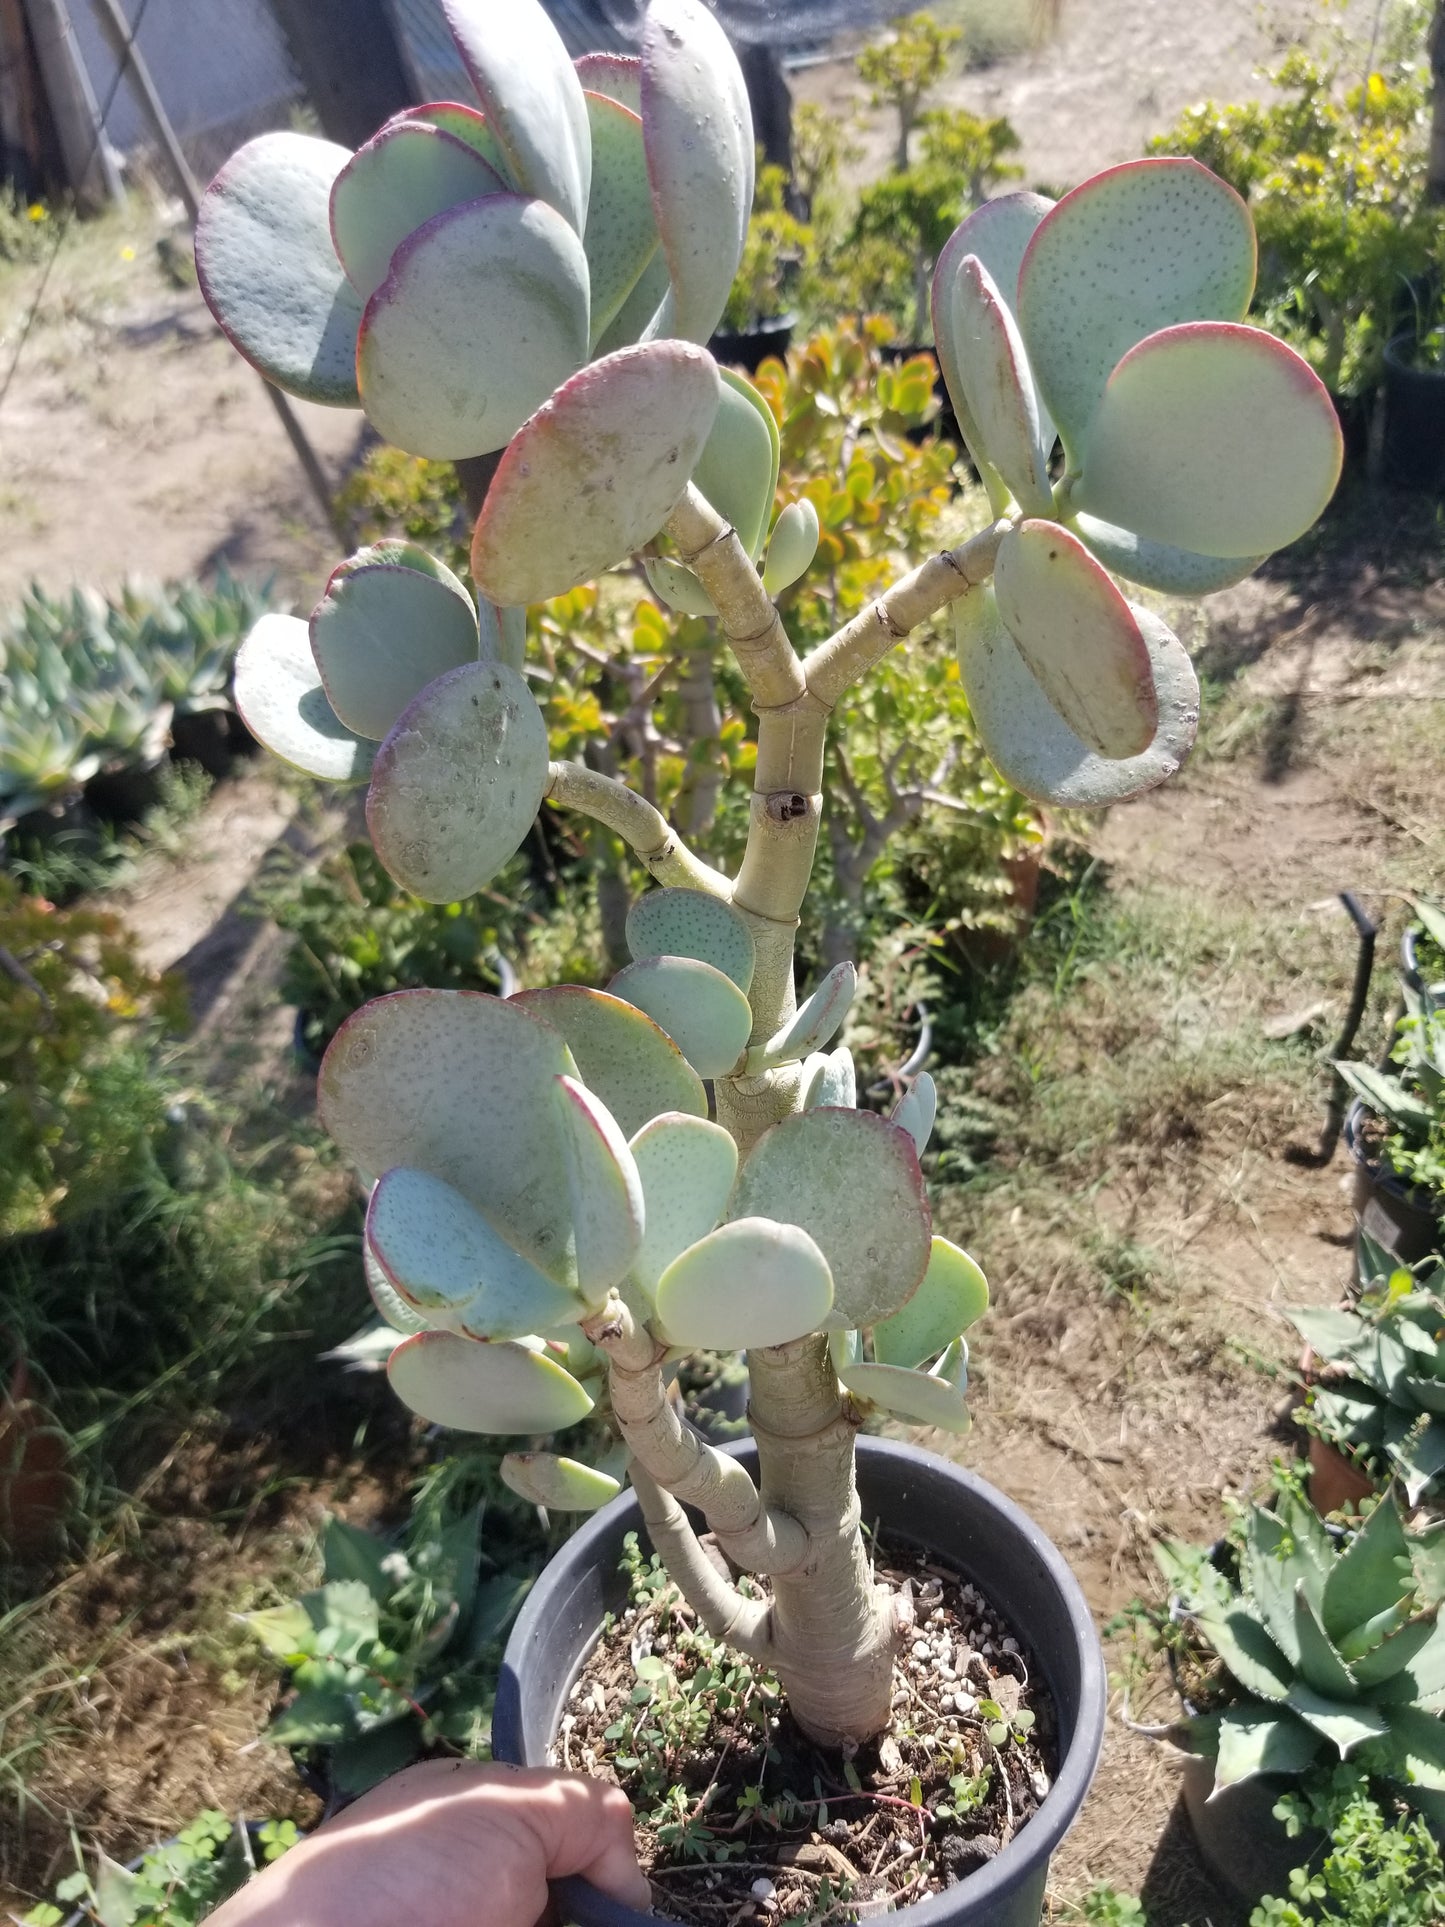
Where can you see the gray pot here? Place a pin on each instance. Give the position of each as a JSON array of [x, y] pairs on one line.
[[1245, 1848], [927, 1501]]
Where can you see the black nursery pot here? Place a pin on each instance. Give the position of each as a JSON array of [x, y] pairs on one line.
[[931, 1503], [1413, 450], [750, 347], [1405, 1219]]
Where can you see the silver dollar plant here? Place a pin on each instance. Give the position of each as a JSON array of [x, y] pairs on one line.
[[571, 1188]]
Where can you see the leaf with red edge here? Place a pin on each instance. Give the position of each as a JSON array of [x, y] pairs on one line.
[[402, 177], [993, 369], [494, 1389]]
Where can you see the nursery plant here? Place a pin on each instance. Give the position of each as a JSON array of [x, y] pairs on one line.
[[572, 1186], [1410, 1102]]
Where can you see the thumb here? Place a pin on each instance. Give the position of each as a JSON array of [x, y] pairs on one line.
[[584, 1826]]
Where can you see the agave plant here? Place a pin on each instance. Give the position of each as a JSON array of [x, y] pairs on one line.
[[1331, 1646], [570, 1187]]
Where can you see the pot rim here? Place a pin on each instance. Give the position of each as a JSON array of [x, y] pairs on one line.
[[1060, 1807]]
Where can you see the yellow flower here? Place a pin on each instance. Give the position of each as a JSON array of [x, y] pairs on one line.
[[37, 212], [127, 254]]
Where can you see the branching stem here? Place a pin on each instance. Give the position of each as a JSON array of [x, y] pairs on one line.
[[639, 823]]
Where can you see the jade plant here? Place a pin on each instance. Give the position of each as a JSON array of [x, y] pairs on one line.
[[570, 1188]]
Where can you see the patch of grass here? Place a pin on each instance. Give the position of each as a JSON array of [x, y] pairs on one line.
[[86, 861]]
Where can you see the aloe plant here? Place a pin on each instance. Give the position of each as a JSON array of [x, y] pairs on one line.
[[559, 1203]]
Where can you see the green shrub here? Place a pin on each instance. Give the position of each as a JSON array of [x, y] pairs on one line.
[[175, 1885]]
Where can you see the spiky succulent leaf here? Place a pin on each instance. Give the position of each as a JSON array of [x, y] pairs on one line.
[[1393, 1654], [738, 468], [618, 76], [498, 284], [1324, 1671], [403, 176], [1370, 1576], [458, 782], [621, 233], [1388, 1097], [1247, 1651], [559, 1484], [383, 631], [281, 700], [851, 1180], [691, 923], [813, 1023], [1160, 565], [952, 1295], [1417, 1746], [1251, 1741], [596, 472], [830, 1080], [622, 1055], [1344, 1725], [1273, 1570], [1333, 1334], [1419, 1458], [916, 1397], [752, 1282], [988, 352], [268, 269], [699, 1007], [791, 546], [687, 1167], [605, 1192], [493, 1389], [916, 1109]]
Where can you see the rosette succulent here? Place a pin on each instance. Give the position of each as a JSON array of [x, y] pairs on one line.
[[571, 1187]]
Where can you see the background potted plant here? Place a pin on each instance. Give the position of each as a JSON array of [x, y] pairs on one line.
[[569, 1186], [1414, 432]]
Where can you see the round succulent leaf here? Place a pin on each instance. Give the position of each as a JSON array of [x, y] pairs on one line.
[[813, 1023], [605, 1191], [687, 1166], [677, 586], [951, 1297], [617, 76], [752, 1282], [393, 552], [621, 1055], [738, 468], [639, 316], [692, 923], [403, 176], [532, 96], [1214, 437], [1030, 744], [493, 1389], [791, 546], [700, 157], [458, 782], [621, 233], [851, 1181], [394, 1309], [1079, 636], [701, 1008], [988, 352], [595, 473], [483, 314], [915, 1397], [1160, 565], [268, 269], [464, 124], [459, 1084], [845, 1348], [281, 701], [1137, 248], [381, 633], [557, 1484], [829, 1078], [998, 235], [915, 1111]]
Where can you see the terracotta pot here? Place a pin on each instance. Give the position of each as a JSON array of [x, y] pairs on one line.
[[1336, 1483], [35, 1483]]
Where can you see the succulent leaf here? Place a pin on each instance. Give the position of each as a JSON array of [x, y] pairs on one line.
[[1137, 248], [791, 546], [676, 585], [639, 318], [464, 124], [458, 782], [1394, 1653], [751, 1282], [621, 233], [268, 269], [851, 1180], [915, 1111], [498, 284], [617, 76], [596, 472], [830, 1079], [699, 131], [605, 1191], [494, 1389], [813, 1023], [1319, 1661], [1215, 437], [1345, 1726], [383, 631], [398, 1314], [532, 96], [403, 176], [738, 468], [1417, 1741], [691, 923], [952, 1295], [1079, 637], [1031, 745], [622, 1056], [1371, 1575], [687, 1166], [1159, 565], [1247, 1651], [558, 1484], [1252, 1741], [988, 353], [280, 697], [701, 1008], [916, 1397], [1272, 1574]]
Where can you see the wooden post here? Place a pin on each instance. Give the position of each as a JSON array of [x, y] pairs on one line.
[[89, 165], [351, 63], [30, 156]]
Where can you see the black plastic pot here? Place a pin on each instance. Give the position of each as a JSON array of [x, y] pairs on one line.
[[214, 738], [922, 1499], [127, 792], [1413, 446], [1405, 1219], [1353, 414], [1245, 1848], [749, 347]]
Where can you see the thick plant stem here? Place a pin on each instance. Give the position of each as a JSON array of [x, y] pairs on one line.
[[645, 829], [727, 1613]]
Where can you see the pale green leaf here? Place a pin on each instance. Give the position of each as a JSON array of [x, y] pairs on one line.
[[952, 1296], [738, 468], [677, 587], [988, 353], [605, 1189], [1371, 1575], [383, 631], [812, 1024], [1160, 565], [403, 176], [699, 1007], [829, 1078], [1252, 1742], [561, 1485], [464, 124], [1345, 1726], [617, 76], [494, 1389], [622, 1056], [916, 1397], [687, 1166], [916, 1109], [621, 233], [791, 546], [692, 923], [750, 1283], [281, 700]]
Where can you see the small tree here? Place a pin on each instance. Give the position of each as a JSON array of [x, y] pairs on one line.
[[901, 70]]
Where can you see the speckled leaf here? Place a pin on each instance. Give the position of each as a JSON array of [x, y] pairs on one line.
[[952, 1296], [621, 1054], [852, 1181], [1030, 744], [691, 923], [813, 1023], [494, 1389], [676, 586], [595, 473], [382, 632], [605, 1190], [618, 76], [464, 124], [394, 1309], [458, 1084], [751, 1282], [791, 546], [281, 701], [1079, 636], [830, 1079], [1139, 247], [621, 233], [445, 1260], [687, 1167], [402, 177], [699, 134], [639, 314], [988, 353], [1214, 437], [458, 782], [269, 272], [560, 1485], [483, 314], [915, 1111], [1159, 565], [532, 96], [915, 1397], [701, 1009], [738, 468]]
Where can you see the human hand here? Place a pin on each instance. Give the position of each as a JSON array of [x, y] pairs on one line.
[[454, 1843]]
